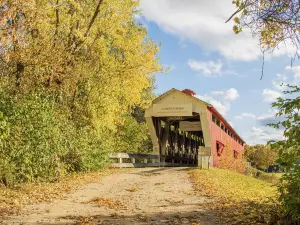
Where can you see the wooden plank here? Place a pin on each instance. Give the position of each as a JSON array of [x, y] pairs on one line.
[[130, 156]]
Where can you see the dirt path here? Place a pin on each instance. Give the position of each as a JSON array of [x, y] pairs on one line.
[[143, 196]]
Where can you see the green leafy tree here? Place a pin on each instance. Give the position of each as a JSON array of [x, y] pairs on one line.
[[261, 156], [289, 150], [134, 137]]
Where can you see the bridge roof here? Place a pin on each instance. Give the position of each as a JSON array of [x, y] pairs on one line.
[[209, 106]]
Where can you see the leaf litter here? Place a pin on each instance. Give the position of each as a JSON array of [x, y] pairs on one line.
[[108, 203], [237, 198], [12, 199]]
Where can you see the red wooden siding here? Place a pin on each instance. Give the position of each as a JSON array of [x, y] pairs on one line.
[[218, 135]]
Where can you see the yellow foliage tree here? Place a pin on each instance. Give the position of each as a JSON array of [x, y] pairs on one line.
[[71, 74], [90, 53]]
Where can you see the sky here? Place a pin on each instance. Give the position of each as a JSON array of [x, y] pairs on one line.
[[223, 68]]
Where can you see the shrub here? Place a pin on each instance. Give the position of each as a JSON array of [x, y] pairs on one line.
[[43, 143], [134, 137]]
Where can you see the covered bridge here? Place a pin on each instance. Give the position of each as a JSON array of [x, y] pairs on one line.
[[184, 129]]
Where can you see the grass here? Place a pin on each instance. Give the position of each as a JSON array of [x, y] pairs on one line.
[[238, 199], [273, 178]]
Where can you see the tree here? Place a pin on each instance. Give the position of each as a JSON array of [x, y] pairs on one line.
[[289, 150], [273, 21], [82, 51], [71, 73], [261, 156]]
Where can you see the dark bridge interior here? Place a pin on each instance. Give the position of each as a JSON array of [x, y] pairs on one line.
[[176, 146]]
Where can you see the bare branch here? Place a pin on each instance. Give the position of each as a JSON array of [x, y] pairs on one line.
[[93, 18], [247, 4], [57, 17], [263, 65], [236, 12]]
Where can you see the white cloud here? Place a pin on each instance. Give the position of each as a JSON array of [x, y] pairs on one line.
[[296, 73], [279, 82], [295, 70], [261, 133], [203, 23], [261, 136], [271, 114], [270, 95], [210, 68], [284, 48], [230, 94], [182, 44], [223, 108], [221, 100], [217, 93], [245, 115], [248, 115], [268, 118]]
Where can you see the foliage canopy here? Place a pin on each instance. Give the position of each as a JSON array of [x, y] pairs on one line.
[[261, 156], [274, 21], [289, 150], [71, 74]]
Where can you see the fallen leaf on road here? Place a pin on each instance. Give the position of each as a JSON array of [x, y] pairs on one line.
[[108, 203], [134, 188]]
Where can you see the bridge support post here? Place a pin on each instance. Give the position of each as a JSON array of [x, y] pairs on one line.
[[153, 135], [204, 154]]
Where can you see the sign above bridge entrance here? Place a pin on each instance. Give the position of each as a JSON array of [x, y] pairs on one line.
[[190, 126], [162, 110]]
